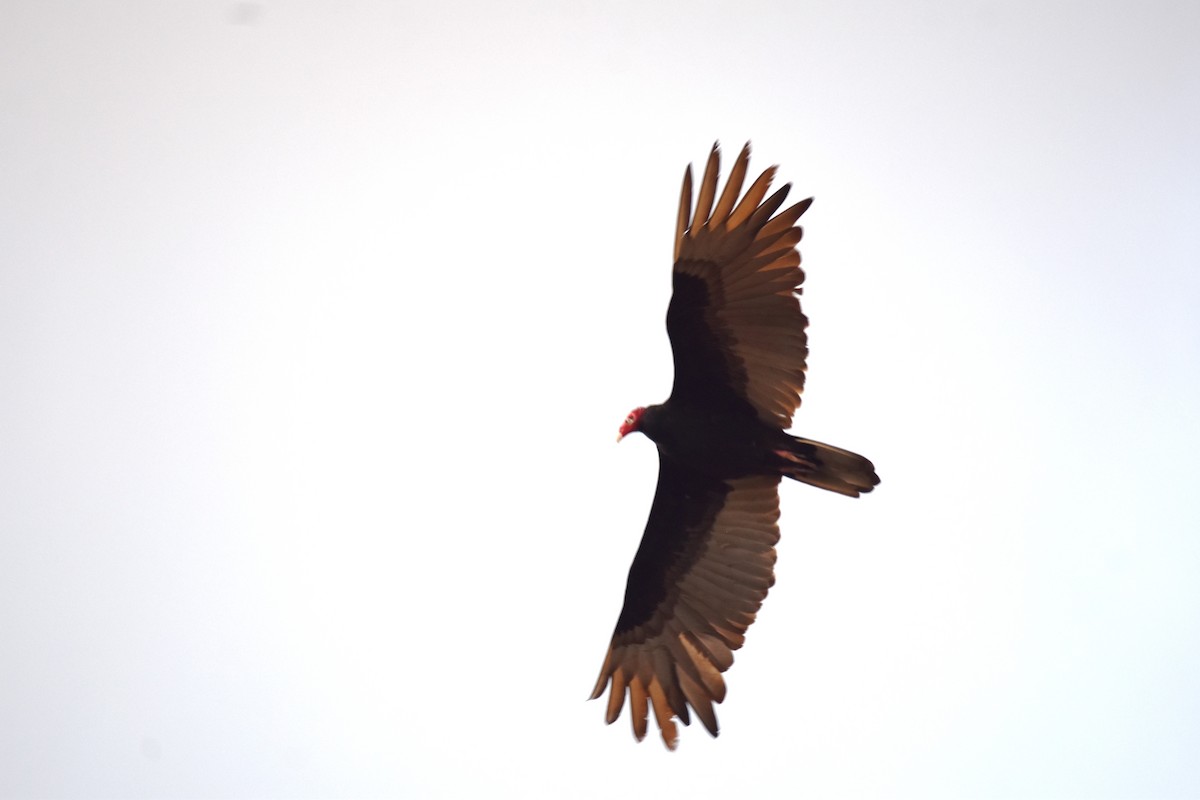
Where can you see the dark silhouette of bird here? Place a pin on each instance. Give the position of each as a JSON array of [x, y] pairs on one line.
[[706, 559]]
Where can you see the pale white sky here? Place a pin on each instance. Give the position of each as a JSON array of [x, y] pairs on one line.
[[317, 321]]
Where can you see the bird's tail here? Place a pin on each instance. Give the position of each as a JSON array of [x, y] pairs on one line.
[[826, 467]]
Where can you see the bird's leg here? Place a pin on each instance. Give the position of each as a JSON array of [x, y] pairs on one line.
[[802, 465]]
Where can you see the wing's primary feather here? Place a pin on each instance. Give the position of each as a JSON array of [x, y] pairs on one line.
[[736, 328]]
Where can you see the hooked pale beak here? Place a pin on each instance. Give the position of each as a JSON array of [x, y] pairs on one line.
[[630, 424]]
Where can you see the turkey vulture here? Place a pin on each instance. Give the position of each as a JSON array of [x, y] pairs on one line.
[[705, 561]]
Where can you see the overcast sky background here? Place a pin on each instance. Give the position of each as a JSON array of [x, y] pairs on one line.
[[317, 322]]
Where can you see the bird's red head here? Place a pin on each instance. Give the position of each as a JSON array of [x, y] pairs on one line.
[[632, 423]]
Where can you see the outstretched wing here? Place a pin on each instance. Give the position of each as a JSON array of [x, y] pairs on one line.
[[700, 575], [737, 332]]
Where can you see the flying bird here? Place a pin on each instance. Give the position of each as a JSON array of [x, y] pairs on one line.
[[706, 559]]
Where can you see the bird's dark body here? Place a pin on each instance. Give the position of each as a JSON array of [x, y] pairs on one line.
[[712, 442]]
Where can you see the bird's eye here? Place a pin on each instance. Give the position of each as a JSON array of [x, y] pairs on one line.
[[629, 420]]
